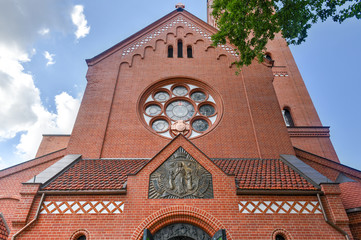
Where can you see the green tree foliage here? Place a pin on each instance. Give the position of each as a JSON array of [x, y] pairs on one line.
[[250, 24]]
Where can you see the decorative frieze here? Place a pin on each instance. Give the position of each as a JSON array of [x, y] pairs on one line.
[[82, 207], [174, 22], [279, 207]]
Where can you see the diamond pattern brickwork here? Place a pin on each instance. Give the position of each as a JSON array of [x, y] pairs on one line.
[[82, 207], [279, 207]]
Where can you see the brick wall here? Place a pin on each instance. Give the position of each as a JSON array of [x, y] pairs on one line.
[[209, 214], [51, 143]]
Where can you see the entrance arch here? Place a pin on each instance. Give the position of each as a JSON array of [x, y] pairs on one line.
[[181, 231], [179, 214]]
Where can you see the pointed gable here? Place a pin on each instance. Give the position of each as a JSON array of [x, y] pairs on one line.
[[159, 30]]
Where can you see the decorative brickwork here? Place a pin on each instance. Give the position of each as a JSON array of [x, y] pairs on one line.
[[179, 21], [82, 207], [280, 207]]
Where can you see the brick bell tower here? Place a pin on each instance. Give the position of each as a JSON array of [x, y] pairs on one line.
[[170, 144], [304, 126]]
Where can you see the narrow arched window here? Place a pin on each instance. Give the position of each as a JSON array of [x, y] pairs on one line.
[[268, 57], [280, 237], [180, 48], [287, 117], [170, 51], [189, 52], [82, 237]]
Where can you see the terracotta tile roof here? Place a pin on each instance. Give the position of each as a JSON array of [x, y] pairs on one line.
[[263, 174], [112, 174], [3, 230], [350, 194], [96, 175]]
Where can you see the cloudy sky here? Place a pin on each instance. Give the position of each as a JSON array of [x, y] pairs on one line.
[[44, 44]]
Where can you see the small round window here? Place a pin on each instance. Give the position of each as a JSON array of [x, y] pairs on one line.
[[188, 107]]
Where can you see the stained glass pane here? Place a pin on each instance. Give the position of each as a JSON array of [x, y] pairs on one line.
[[180, 91], [161, 96], [160, 125], [180, 110], [200, 125], [153, 110], [207, 110], [198, 96]]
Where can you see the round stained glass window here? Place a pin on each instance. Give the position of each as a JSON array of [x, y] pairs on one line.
[[200, 125], [153, 110], [207, 110], [160, 125], [180, 91], [161, 96], [180, 110], [180, 106], [198, 96]]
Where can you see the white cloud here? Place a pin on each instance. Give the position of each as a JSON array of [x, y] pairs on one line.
[[49, 57], [79, 21], [54, 123], [44, 31], [22, 110]]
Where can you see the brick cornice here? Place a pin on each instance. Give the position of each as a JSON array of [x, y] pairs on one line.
[[309, 131]]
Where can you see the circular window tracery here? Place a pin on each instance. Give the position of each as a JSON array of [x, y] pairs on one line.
[[184, 106]]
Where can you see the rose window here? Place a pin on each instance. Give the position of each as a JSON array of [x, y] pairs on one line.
[[187, 108]]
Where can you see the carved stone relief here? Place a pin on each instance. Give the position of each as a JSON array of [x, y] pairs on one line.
[[181, 230], [180, 176]]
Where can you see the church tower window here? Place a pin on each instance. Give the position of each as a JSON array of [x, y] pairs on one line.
[[170, 51], [180, 48], [287, 117], [189, 52], [268, 57]]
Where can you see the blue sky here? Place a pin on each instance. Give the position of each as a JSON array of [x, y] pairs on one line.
[[44, 44]]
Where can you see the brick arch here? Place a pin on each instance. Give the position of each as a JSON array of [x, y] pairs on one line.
[[178, 214]]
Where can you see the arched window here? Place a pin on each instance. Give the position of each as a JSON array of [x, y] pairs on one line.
[[180, 48], [268, 57], [189, 52], [170, 51], [280, 237], [82, 237], [287, 117]]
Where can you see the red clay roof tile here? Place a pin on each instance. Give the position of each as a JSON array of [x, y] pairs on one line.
[[96, 175], [263, 174], [3, 230], [112, 174]]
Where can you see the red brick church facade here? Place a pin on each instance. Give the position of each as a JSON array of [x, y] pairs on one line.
[[169, 143]]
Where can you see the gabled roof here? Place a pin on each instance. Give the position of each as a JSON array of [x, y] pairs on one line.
[[96, 174], [152, 31], [99, 174], [250, 174]]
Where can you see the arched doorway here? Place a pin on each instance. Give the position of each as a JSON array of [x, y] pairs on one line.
[[181, 231]]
